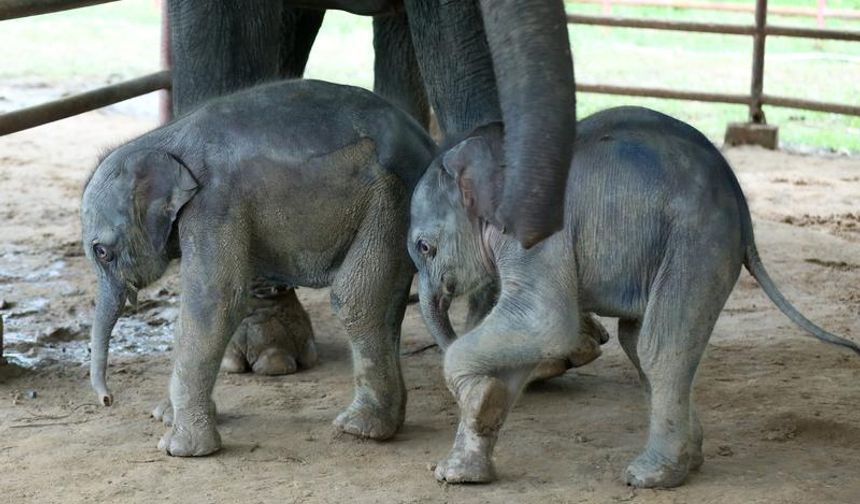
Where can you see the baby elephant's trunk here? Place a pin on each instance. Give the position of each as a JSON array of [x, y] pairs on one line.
[[434, 307], [109, 304]]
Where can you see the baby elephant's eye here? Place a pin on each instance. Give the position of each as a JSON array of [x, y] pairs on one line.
[[426, 249], [102, 253]]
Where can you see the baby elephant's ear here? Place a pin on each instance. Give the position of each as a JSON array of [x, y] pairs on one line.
[[479, 176], [163, 185]]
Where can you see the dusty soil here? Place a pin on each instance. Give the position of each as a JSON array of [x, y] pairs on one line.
[[780, 410]]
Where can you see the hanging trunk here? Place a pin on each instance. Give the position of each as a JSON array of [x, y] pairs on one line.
[[434, 308], [534, 75], [109, 304]]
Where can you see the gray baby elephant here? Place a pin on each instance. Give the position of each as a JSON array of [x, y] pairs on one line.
[[304, 182], [656, 231]]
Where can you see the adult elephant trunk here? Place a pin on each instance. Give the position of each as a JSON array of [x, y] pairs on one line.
[[109, 304], [534, 75], [434, 308]]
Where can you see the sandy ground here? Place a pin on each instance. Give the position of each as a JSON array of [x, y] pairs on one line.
[[780, 410]]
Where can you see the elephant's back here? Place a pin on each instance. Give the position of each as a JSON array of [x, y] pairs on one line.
[[651, 161], [641, 185], [297, 121]]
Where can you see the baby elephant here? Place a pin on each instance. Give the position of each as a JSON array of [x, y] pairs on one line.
[[656, 231], [303, 182]]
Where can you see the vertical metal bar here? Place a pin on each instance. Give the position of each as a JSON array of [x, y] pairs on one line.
[[165, 101], [756, 112]]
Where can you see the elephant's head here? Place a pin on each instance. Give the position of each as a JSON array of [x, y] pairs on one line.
[[451, 216], [128, 214]]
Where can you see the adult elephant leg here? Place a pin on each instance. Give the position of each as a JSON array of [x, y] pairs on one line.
[[299, 30], [455, 62], [276, 338], [220, 47], [396, 75]]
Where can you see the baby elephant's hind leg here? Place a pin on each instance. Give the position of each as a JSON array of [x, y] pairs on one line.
[[369, 295], [667, 350]]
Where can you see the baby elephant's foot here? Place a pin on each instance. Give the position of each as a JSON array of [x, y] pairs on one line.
[[549, 368], [469, 461], [593, 334], [367, 420], [275, 339], [193, 441], [653, 470]]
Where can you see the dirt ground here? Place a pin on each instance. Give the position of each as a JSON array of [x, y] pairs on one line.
[[780, 410]]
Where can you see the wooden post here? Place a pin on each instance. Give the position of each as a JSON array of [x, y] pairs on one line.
[[165, 98], [757, 87], [756, 131]]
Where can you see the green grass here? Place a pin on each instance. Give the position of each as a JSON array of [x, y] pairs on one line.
[[121, 40]]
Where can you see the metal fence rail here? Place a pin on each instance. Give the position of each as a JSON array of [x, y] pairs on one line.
[[821, 11], [755, 100], [759, 31], [84, 102], [11, 9], [44, 113]]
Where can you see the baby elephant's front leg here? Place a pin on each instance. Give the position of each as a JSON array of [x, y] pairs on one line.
[[486, 370], [205, 326], [484, 401]]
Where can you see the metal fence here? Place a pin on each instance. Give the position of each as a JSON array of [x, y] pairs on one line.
[[760, 30], [755, 100], [76, 104]]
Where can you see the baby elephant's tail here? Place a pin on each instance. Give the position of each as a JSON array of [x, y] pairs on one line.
[[756, 268]]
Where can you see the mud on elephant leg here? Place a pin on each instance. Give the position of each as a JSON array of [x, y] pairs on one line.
[[484, 402], [276, 338]]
